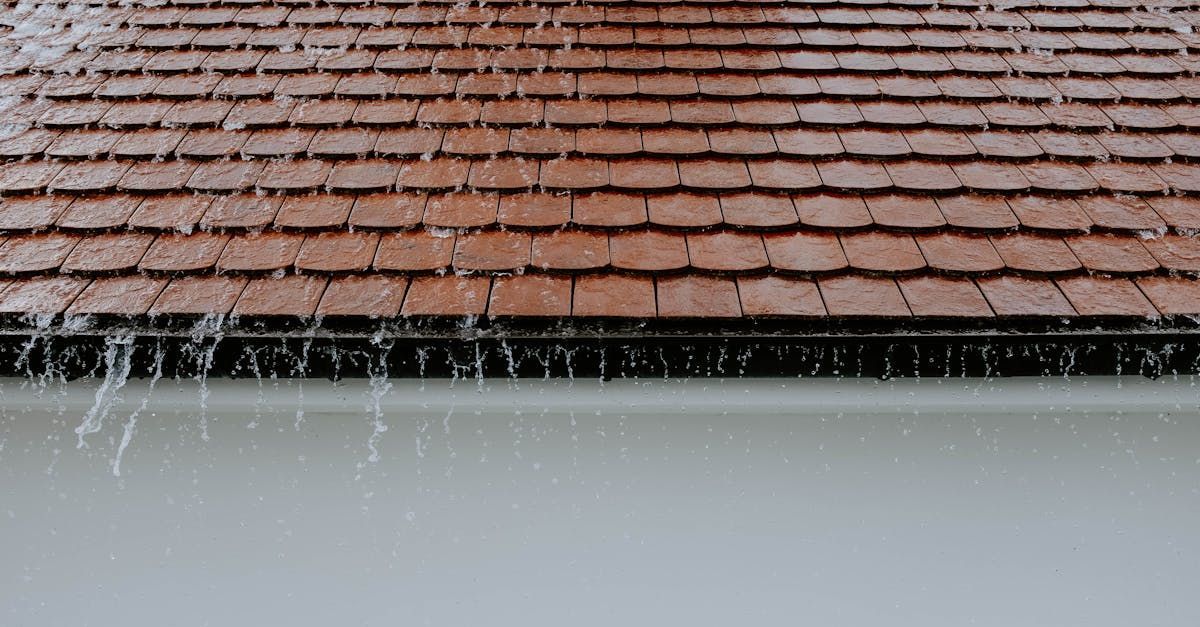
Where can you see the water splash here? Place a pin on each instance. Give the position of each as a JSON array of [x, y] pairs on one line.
[[131, 422], [118, 355], [206, 336], [377, 367]]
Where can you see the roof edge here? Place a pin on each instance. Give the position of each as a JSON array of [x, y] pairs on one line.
[[211, 350]]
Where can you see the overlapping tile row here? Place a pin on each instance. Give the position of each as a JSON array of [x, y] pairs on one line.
[[669, 255], [584, 60], [582, 174], [962, 14], [382, 211], [604, 295], [709, 160]]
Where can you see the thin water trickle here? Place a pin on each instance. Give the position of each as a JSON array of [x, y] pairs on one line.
[[131, 422], [118, 356], [379, 387]]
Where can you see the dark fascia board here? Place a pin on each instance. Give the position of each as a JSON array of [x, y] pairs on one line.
[[477, 348]]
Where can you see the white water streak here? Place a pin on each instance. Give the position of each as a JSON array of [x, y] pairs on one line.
[[117, 362], [131, 422]]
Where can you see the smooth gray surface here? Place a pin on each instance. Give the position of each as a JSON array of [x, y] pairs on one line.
[[961, 502]]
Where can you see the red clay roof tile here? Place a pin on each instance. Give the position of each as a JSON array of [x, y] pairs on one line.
[[375, 296], [614, 296], [293, 295], [30, 213], [447, 296], [726, 251], [1098, 296], [960, 253], [126, 295], [41, 295], [882, 252], [1035, 253], [643, 250], [609, 209], [687, 209], [183, 253], [493, 250], [1111, 253], [834, 211], [629, 154], [260, 252], [858, 296], [944, 297], [337, 252], [905, 211], [1172, 295], [1175, 252], [570, 250], [108, 252], [1025, 297], [534, 210], [415, 251], [35, 253], [458, 210], [530, 295], [779, 296], [697, 297]]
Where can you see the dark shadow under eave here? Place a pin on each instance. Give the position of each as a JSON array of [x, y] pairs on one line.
[[597, 348]]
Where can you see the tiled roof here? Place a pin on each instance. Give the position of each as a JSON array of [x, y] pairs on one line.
[[634, 159]]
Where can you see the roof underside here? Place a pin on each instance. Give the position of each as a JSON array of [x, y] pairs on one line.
[[601, 159]]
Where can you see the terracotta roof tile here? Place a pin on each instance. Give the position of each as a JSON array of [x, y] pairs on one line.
[[836, 211], [1175, 252], [645, 251], [697, 297], [1052, 214], [260, 252], [1112, 253], [447, 295], [977, 212], [570, 250], [1172, 295], [35, 253], [1035, 253], [1019, 296], [1097, 296], [127, 296], [779, 296], [415, 251], [461, 210], [960, 253], [376, 296], [286, 296], [882, 252], [530, 295], [170, 212], [682, 210], [922, 161], [41, 295], [337, 252], [905, 211], [609, 209], [858, 296], [614, 295], [534, 210], [109, 252], [492, 250], [942, 296]]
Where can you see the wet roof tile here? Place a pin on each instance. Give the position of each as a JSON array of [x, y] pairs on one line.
[[603, 160]]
